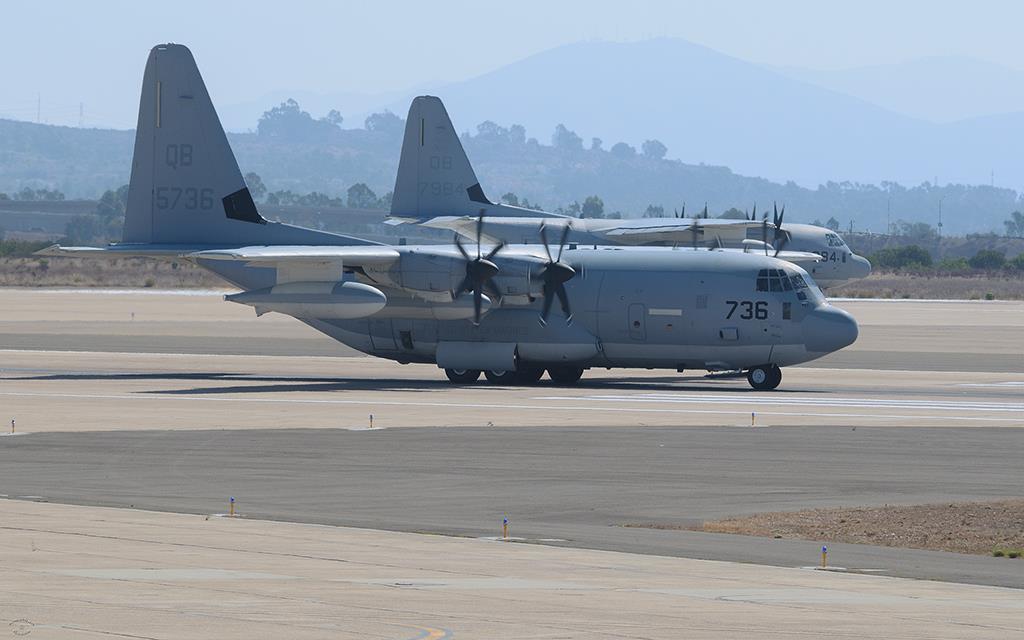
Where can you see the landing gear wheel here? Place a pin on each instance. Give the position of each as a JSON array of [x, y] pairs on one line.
[[501, 377], [565, 375], [462, 376], [765, 378], [529, 375]]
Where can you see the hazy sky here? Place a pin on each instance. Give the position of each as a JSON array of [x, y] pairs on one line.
[[69, 53]]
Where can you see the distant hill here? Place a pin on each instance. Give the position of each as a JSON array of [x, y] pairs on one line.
[[713, 108], [940, 89], [85, 162]]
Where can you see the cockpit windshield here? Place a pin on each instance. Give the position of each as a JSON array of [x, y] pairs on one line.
[[774, 280], [834, 240], [777, 280]]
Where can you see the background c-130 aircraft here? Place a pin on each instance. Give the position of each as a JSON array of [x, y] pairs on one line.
[[468, 309], [437, 187]]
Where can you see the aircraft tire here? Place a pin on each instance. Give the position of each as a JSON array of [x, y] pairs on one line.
[[501, 377], [565, 375], [529, 375], [765, 378], [462, 376]]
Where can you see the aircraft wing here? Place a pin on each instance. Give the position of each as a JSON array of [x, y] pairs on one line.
[[643, 230], [796, 257], [299, 263], [358, 255]]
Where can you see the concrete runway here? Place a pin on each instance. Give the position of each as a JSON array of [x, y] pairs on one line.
[[895, 334], [73, 572], [170, 409]]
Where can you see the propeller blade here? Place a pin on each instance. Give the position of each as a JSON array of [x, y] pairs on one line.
[[548, 299], [705, 213], [561, 241], [781, 242], [464, 286], [479, 232], [563, 299], [544, 239], [477, 303], [495, 250], [493, 290], [462, 249], [764, 232], [753, 216]]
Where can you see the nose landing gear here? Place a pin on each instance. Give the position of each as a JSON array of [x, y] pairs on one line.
[[765, 377]]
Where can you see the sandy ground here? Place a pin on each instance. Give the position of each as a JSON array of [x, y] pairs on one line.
[[93, 572], [959, 527]]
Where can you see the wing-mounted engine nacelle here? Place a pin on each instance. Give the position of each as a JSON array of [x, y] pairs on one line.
[[436, 276], [429, 276], [514, 279], [321, 300]]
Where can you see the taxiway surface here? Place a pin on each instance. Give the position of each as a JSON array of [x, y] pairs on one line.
[[176, 401]]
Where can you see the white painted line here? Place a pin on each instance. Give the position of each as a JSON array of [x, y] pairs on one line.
[[991, 384], [806, 401], [513, 406]]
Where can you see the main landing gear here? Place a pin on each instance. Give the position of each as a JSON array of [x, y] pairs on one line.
[[525, 376], [765, 377]]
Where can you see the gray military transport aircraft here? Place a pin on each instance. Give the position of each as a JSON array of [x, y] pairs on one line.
[[468, 309], [437, 187]]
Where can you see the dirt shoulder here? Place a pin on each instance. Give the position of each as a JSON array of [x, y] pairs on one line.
[[961, 527], [935, 287], [123, 272]]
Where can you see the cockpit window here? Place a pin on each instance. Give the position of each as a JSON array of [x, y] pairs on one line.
[[834, 240], [774, 280]]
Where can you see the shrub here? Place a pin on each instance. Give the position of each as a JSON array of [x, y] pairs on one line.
[[908, 257], [1017, 263], [954, 264], [988, 259]]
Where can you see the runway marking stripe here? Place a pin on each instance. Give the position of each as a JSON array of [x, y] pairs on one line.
[[802, 401], [545, 407]]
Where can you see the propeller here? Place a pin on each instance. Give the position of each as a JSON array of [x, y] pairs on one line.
[[781, 237], [480, 271], [554, 275], [764, 232]]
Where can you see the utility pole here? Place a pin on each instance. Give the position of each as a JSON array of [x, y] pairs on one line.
[[940, 217]]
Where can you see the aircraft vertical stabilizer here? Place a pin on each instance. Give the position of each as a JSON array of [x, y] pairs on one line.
[[434, 174], [186, 187]]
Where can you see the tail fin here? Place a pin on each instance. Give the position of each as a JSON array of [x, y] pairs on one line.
[[186, 187], [434, 174], [435, 177]]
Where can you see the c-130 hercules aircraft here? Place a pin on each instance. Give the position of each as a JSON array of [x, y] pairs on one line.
[[469, 309], [433, 189]]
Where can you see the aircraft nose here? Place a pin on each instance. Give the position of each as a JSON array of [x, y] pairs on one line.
[[828, 329], [862, 267]]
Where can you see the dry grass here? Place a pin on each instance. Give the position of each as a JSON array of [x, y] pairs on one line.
[[124, 272], [934, 287], [963, 527]]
